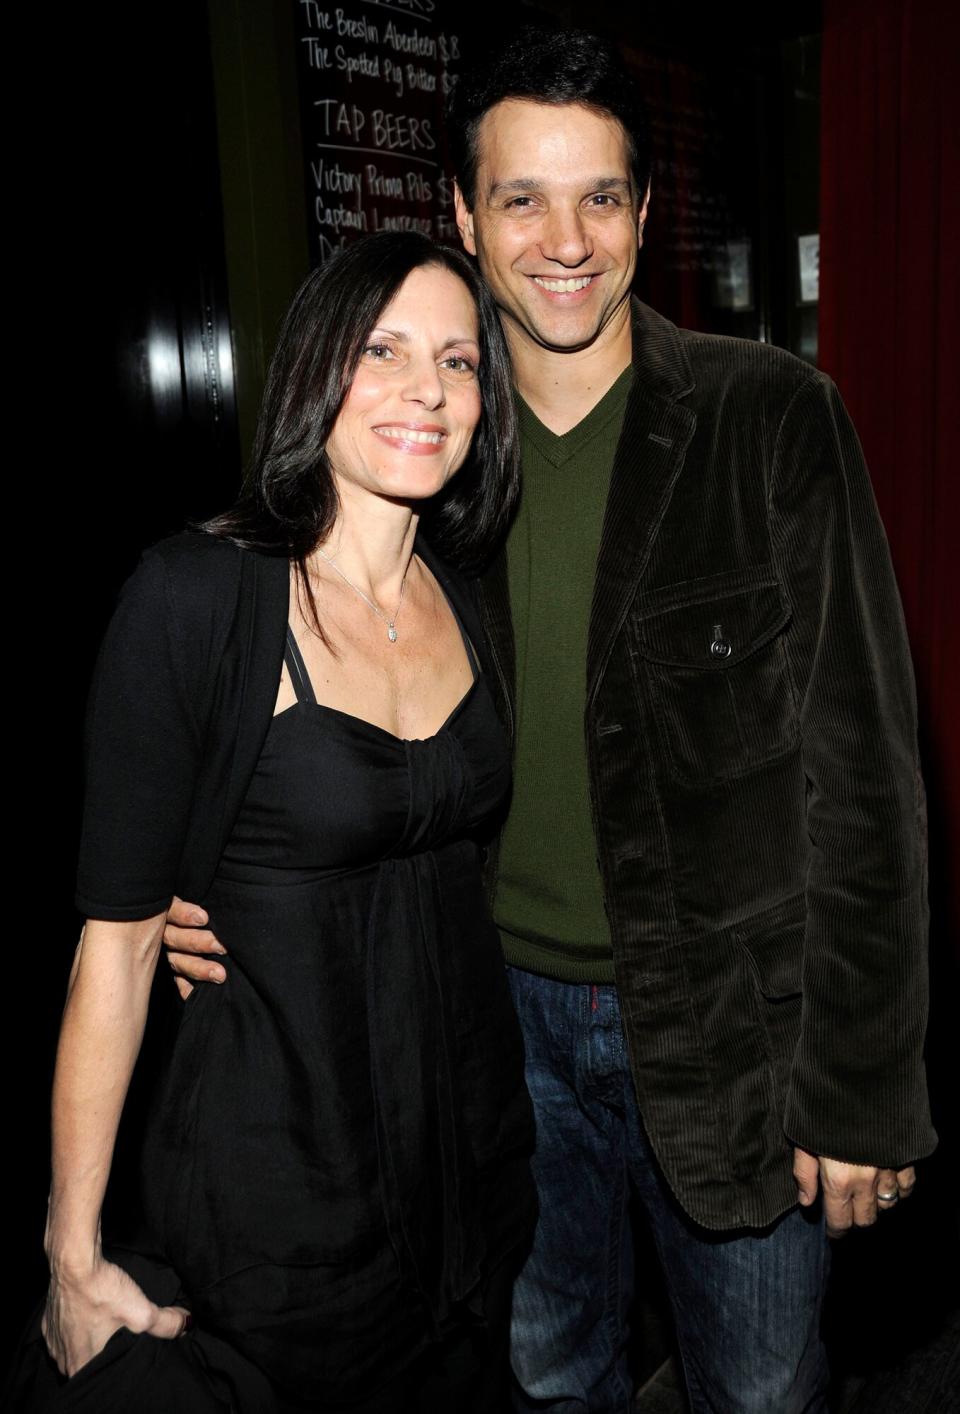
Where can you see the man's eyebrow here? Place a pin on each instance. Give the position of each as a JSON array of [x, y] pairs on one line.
[[525, 184], [517, 184], [612, 184]]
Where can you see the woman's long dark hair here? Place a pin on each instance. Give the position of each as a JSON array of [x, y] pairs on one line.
[[289, 502]]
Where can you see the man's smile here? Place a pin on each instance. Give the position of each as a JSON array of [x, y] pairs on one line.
[[563, 287]]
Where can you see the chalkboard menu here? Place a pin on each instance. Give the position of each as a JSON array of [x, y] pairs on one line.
[[374, 75]]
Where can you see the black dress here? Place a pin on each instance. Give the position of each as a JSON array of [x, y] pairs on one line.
[[338, 1155], [342, 1140]]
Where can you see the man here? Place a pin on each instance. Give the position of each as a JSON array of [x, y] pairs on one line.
[[711, 884]]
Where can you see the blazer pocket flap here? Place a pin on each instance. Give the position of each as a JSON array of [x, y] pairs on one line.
[[716, 632], [777, 961]]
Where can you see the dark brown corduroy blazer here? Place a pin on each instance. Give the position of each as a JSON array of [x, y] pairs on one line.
[[757, 803]]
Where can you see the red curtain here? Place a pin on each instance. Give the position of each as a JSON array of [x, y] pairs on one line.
[[890, 337]]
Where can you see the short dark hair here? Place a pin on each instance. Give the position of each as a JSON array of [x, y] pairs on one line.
[[553, 65], [290, 501]]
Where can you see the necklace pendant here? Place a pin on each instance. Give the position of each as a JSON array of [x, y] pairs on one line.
[[391, 633]]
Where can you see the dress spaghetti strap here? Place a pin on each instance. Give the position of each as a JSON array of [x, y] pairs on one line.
[[296, 667]]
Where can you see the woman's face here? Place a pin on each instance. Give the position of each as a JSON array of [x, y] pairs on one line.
[[407, 421]]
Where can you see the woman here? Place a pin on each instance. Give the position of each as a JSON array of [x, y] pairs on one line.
[[289, 723]]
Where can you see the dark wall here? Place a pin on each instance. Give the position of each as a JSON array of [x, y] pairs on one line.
[[130, 414]]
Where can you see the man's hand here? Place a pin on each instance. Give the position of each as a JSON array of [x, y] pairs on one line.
[[185, 937], [853, 1194]]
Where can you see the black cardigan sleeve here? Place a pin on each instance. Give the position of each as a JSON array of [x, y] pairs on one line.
[[143, 746]]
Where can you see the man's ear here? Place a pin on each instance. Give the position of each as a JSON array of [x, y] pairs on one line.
[[642, 217], [464, 221]]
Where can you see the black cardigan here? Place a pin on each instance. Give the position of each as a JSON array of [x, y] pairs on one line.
[[182, 697]]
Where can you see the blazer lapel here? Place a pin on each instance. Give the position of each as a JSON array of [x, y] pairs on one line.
[[498, 631], [653, 443]]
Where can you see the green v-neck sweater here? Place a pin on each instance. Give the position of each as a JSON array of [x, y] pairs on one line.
[[549, 897]]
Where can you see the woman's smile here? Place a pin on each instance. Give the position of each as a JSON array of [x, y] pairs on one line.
[[418, 439]]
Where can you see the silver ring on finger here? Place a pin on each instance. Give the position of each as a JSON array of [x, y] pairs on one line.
[[887, 1197]]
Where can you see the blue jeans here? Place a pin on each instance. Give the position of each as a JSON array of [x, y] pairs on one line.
[[746, 1306]]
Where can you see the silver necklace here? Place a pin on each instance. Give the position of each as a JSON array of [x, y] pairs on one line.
[[390, 623]]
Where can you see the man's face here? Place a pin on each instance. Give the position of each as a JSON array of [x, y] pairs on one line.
[[557, 221]]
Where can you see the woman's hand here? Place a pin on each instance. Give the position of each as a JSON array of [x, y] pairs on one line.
[[84, 1310]]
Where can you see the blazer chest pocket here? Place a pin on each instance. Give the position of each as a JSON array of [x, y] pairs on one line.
[[712, 652]]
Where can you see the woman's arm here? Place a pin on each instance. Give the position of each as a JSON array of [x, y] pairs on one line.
[[100, 1037]]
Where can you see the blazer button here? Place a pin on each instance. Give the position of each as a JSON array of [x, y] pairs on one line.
[[720, 648]]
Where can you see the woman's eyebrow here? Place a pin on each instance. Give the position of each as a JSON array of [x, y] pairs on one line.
[[404, 338]]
